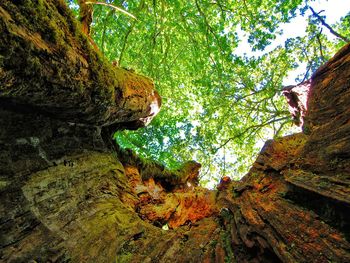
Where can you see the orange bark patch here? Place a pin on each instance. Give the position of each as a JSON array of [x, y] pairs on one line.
[[180, 207]]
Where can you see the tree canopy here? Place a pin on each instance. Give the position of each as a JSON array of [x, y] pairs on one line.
[[217, 103]]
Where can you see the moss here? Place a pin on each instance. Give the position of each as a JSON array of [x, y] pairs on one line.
[[3, 185], [57, 26], [124, 258], [235, 194], [225, 235], [213, 243], [33, 65], [226, 241]]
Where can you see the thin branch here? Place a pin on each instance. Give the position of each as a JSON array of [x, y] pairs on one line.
[[277, 133], [306, 73], [209, 27], [253, 127], [124, 43], [103, 38], [113, 6], [309, 64], [318, 36], [328, 26]]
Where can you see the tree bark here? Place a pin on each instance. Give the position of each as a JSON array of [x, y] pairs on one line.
[[86, 16]]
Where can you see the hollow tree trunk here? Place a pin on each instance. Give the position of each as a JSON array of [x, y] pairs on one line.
[[67, 196]]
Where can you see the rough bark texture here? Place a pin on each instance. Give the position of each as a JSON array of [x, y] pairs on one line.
[[69, 194], [297, 96]]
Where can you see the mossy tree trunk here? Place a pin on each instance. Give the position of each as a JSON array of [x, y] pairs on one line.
[[45, 55]]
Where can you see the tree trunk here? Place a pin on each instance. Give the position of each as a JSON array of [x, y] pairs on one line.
[[68, 194], [49, 65]]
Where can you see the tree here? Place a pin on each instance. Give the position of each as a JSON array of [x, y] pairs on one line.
[[217, 104], [68, 194]]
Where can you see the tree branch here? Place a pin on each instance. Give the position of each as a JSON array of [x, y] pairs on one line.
[[125, 42], [112, 6], [318, 37], [103, 38], [257, 126], [86, 16], [328, 26]]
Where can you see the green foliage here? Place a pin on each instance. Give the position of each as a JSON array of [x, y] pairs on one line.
[[217, 103], [342, 27]]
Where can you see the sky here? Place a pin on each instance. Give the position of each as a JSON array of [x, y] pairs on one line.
[[333, 10]]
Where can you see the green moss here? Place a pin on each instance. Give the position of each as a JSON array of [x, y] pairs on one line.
[[59, 29], [213, 244], [235, 194], [124, 258], [226, 241], [4, 184], [33, 65], [225, 235]]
